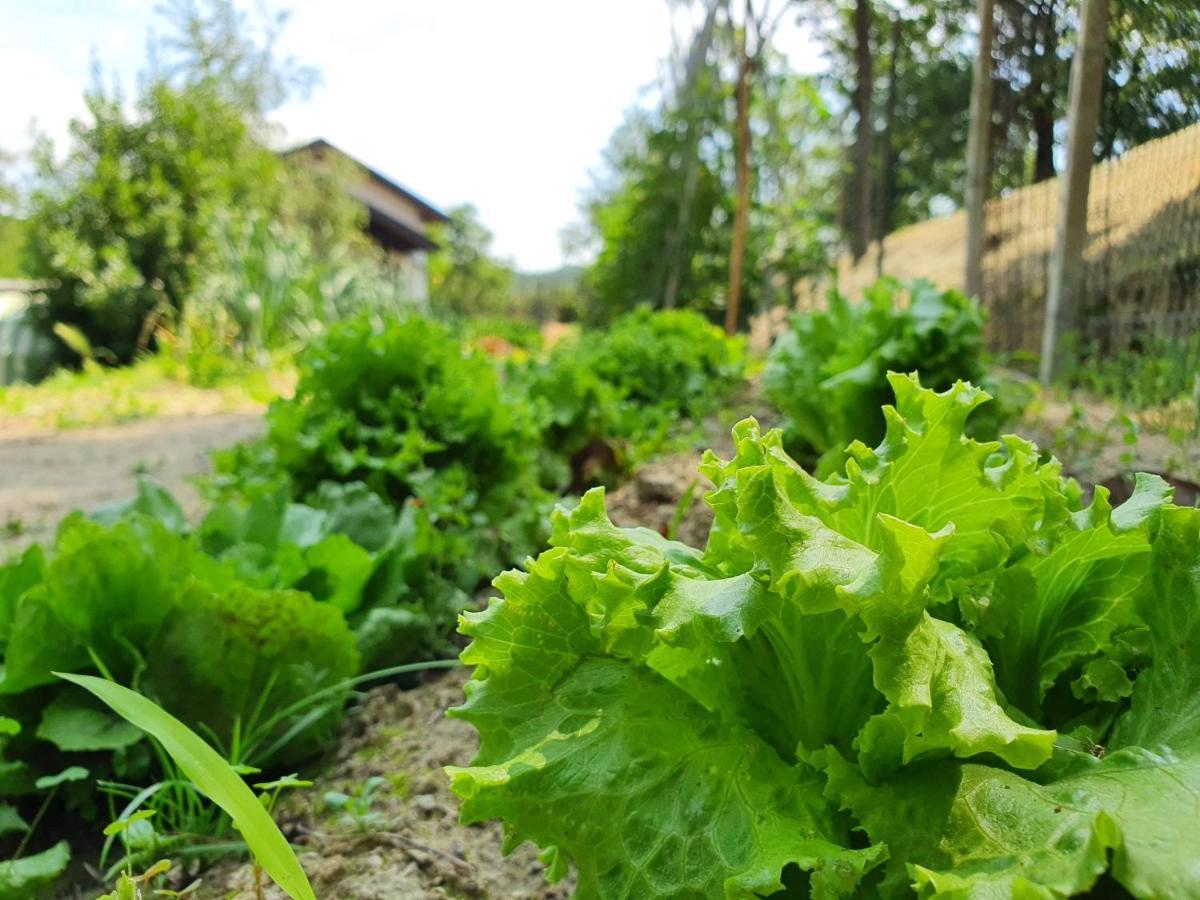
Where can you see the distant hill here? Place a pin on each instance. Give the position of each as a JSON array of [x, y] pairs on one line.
[[566, 278], [12, 235]]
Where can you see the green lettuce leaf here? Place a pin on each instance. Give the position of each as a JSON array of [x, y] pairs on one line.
[[937, 674], [683, 804]]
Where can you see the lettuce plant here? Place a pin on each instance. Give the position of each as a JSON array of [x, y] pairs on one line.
[[938, 673], [403, 408], [142, 604], [827, 373]]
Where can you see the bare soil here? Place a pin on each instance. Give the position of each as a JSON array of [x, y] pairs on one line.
[[414, 846], [44, 475]]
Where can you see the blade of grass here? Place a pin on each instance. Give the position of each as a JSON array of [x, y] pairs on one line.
[[213, 776]]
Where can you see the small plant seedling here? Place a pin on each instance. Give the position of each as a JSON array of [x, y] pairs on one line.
[[135, 887], [355, 808]]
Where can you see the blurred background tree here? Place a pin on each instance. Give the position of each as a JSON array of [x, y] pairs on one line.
[[463, 277], [165, 202]]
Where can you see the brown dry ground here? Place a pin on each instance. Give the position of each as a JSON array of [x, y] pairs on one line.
[[416, 848]]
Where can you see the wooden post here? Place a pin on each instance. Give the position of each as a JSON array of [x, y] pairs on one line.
[[741, 213], [887, 177], [1083, 118], [864, 105], [978, 146]]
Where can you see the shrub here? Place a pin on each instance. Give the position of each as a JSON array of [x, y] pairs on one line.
[[1157, 372], [827, 373], [937, 672], [122, 227]]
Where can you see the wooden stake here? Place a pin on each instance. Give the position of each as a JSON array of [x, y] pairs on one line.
[[978, 146], [1083, 118]]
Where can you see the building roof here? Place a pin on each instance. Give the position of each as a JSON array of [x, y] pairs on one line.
[[428, 212]]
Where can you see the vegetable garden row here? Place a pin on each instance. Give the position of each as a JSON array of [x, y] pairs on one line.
[[929, 667]]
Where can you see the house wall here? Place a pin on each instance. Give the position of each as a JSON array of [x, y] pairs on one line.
[[381, 198], [411, 273]]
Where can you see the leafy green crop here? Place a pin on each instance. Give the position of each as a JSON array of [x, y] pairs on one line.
[[405, 410], [828, 373], [607, 399], [144, 605], [674, 361], [937, 673]]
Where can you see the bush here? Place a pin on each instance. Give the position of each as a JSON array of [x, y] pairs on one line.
[[827, 373], [606, 399], [122, 228], [673, 361], [1159, 371]]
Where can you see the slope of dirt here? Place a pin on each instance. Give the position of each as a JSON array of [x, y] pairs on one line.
[[45, 475]]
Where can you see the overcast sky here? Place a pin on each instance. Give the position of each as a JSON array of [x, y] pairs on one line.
[[506, 104]]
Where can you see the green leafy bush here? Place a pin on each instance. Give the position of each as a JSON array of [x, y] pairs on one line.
[[938, 673], [607, 398], [121, 227], [1160, 370], [827, 373], [580, 418]]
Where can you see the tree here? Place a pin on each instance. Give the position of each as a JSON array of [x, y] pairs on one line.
[[12, 235], [211, 42], [463, 277], [121, 228], [125, 227], [662, 211]]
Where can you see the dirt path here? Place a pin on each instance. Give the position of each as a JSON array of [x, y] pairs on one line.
[[44, 475]]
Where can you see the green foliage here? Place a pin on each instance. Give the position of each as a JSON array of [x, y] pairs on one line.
[[1161, 370], [30, 875], [402, 408], [12, 242], [130, 599], [673, 360], [937, 672], [214, 777], [659, 215], [611, 397], [464, 280], [121, 227], [828, 373], [273, 286], [519, 334]]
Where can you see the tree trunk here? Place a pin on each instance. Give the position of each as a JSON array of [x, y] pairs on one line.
[[887, 176], [978, 147], [864, 96], [741, 215], [1042, 74], [1043, 133], [674, 250], [1083, 117]]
